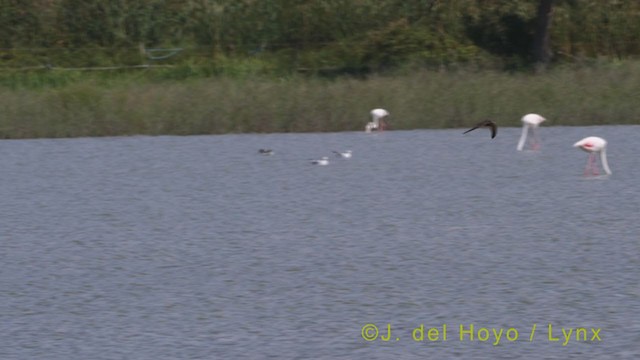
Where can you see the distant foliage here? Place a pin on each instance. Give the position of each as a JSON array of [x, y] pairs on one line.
[[311, 36]]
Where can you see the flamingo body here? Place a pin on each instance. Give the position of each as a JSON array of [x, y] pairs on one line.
[[594, 145], [530, 121]]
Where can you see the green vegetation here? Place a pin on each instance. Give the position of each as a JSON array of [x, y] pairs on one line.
[[605, 94], [94, 68]]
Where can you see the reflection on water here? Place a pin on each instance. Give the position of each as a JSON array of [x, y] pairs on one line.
[[199, 247]]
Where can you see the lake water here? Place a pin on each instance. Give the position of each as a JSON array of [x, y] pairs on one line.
[[200, 248]]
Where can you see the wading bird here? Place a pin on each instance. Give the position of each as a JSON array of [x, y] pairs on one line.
[[593, 145], [486, 124], [377, 122], [530, 121]]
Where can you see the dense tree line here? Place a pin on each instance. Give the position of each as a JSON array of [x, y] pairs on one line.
[[347, 35]]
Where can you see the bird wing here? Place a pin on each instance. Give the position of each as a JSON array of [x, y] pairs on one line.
[[473, 128], [494, 129]]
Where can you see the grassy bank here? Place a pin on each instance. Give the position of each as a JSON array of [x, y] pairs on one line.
[[87, 105]]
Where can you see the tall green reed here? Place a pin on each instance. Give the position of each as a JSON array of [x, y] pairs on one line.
[[129, 104]]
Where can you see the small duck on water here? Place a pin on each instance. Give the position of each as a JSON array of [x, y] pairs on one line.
[[343, 154], [323, 161], [266, 152]]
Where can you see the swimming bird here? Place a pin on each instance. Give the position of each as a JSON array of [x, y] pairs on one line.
[[377, 122], [593, 145], [323, 161], [487, 124], [344, 154], [266, 152], [530, 121]]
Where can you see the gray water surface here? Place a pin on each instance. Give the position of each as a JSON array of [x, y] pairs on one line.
[[199, 248]]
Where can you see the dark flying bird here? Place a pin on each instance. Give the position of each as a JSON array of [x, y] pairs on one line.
[[486, 124]]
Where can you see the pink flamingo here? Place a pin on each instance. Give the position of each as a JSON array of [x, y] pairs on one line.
[[530, 121], [593, 145], [378, 123]]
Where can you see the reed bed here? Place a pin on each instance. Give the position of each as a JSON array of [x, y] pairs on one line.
[[132, 105]]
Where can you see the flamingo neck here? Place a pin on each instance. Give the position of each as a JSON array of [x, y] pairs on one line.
[[603, 159], [523, 137]]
